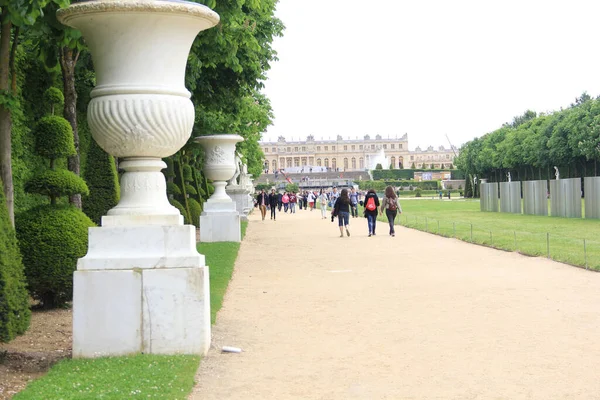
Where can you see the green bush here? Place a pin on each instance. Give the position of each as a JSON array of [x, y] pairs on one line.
[[169, 171], [173, 189], [182, 211], [103, 181], [378, 166], [56, 183], [187, 173], [418, 192], [14, 299], [195, 211], [54, 97], [54, 138], [189, 189], [52, 239]]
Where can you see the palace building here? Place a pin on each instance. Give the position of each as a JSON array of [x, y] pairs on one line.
[[351, 155]]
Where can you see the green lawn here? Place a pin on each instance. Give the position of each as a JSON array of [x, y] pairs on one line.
[[562, 238], [144, 375]]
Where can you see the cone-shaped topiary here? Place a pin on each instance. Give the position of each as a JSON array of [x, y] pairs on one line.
[[52, 239], [102, 179], [195, 211], [169, 171], [181, 208], [173, 189], [187, 173], [14, 299], [190, 190]]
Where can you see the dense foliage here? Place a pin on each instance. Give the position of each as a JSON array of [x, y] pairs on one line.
[[103, 182], [532, 145], [14, 300], [52, 239]]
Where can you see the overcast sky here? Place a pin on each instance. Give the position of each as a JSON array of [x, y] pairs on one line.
[[428, 68]]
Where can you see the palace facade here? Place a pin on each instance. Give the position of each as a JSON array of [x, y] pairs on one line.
[[351, 155]]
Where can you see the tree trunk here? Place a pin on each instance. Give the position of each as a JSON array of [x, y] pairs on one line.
[[68, 60], [5, 118]]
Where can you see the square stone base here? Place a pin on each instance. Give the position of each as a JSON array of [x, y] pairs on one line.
[[152, 311], [220, 226]]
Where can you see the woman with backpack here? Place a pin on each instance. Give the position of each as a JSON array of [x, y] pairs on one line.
[[391, 205], [341, 209], [371, 210]]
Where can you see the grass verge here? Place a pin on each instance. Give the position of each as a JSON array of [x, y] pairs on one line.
[[143, 375], [569, 240]]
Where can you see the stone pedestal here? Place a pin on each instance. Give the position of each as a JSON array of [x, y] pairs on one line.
[[141, 289], [488, 193], [510, 197], [565, 198], [242, 200], [535, 198], [220, 222]]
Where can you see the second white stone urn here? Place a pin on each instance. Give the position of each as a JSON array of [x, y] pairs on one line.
[[220, 220], [219, 164]]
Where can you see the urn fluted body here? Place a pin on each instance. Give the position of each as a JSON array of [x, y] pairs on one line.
[[140, 109]]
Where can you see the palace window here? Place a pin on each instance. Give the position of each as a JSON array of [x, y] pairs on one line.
[[361, 163], [318, 162], [274, 150], [345, 148], [296, 162], [274, 164], [345, 163], [326, 162], [393, 146], [372, 147], [326, 148], [318, 148], [393, 160], [353, 147], [303, 148], [266, 150], [447, 156], [412, 158], [289, 163], [385, 146], [333, 163], [353, 162], [332, 148], [289, 150], [360, 147], [400, 146], [296, 149]]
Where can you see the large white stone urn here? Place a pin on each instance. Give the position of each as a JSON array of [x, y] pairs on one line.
[[140, 109], [142, 287], [219, 163]]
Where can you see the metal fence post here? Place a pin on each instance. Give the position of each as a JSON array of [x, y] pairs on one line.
[[585, 254], [548, 243]]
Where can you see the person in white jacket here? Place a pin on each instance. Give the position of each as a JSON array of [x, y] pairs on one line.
[[322, 199]]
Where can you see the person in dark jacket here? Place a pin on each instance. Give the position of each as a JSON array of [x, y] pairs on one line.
[[262, 200], [371, 215], [273, 200], [341, 209]]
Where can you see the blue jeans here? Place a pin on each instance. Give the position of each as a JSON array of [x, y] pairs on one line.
[[371, 222], [391, 216], [343, 218], [292, 208]]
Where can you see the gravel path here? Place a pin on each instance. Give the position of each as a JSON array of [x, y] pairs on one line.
[[416, 316]]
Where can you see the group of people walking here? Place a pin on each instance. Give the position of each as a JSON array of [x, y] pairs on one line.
[[343, 205]]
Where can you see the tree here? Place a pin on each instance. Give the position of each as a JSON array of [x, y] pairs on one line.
[[15, 15], [412, 166], [103, 182]]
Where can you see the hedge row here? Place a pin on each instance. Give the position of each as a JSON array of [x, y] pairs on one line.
[[401, 174]]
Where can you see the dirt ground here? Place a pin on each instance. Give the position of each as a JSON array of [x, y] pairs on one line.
[[414, 316], [28, 357]]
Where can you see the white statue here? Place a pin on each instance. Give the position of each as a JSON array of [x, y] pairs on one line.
[[508, 174], [238, 161], [556, 174], [474, 179]]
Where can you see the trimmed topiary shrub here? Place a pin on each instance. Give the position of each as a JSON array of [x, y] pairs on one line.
[[378, 166], [102, 179], [169, 172], [54, 97], [52, 238], [14, 299], [195, 211], [54, 138], [187, 173], [173, 189], [418, 192], [56, 183], [181, 208], [190, 190]]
